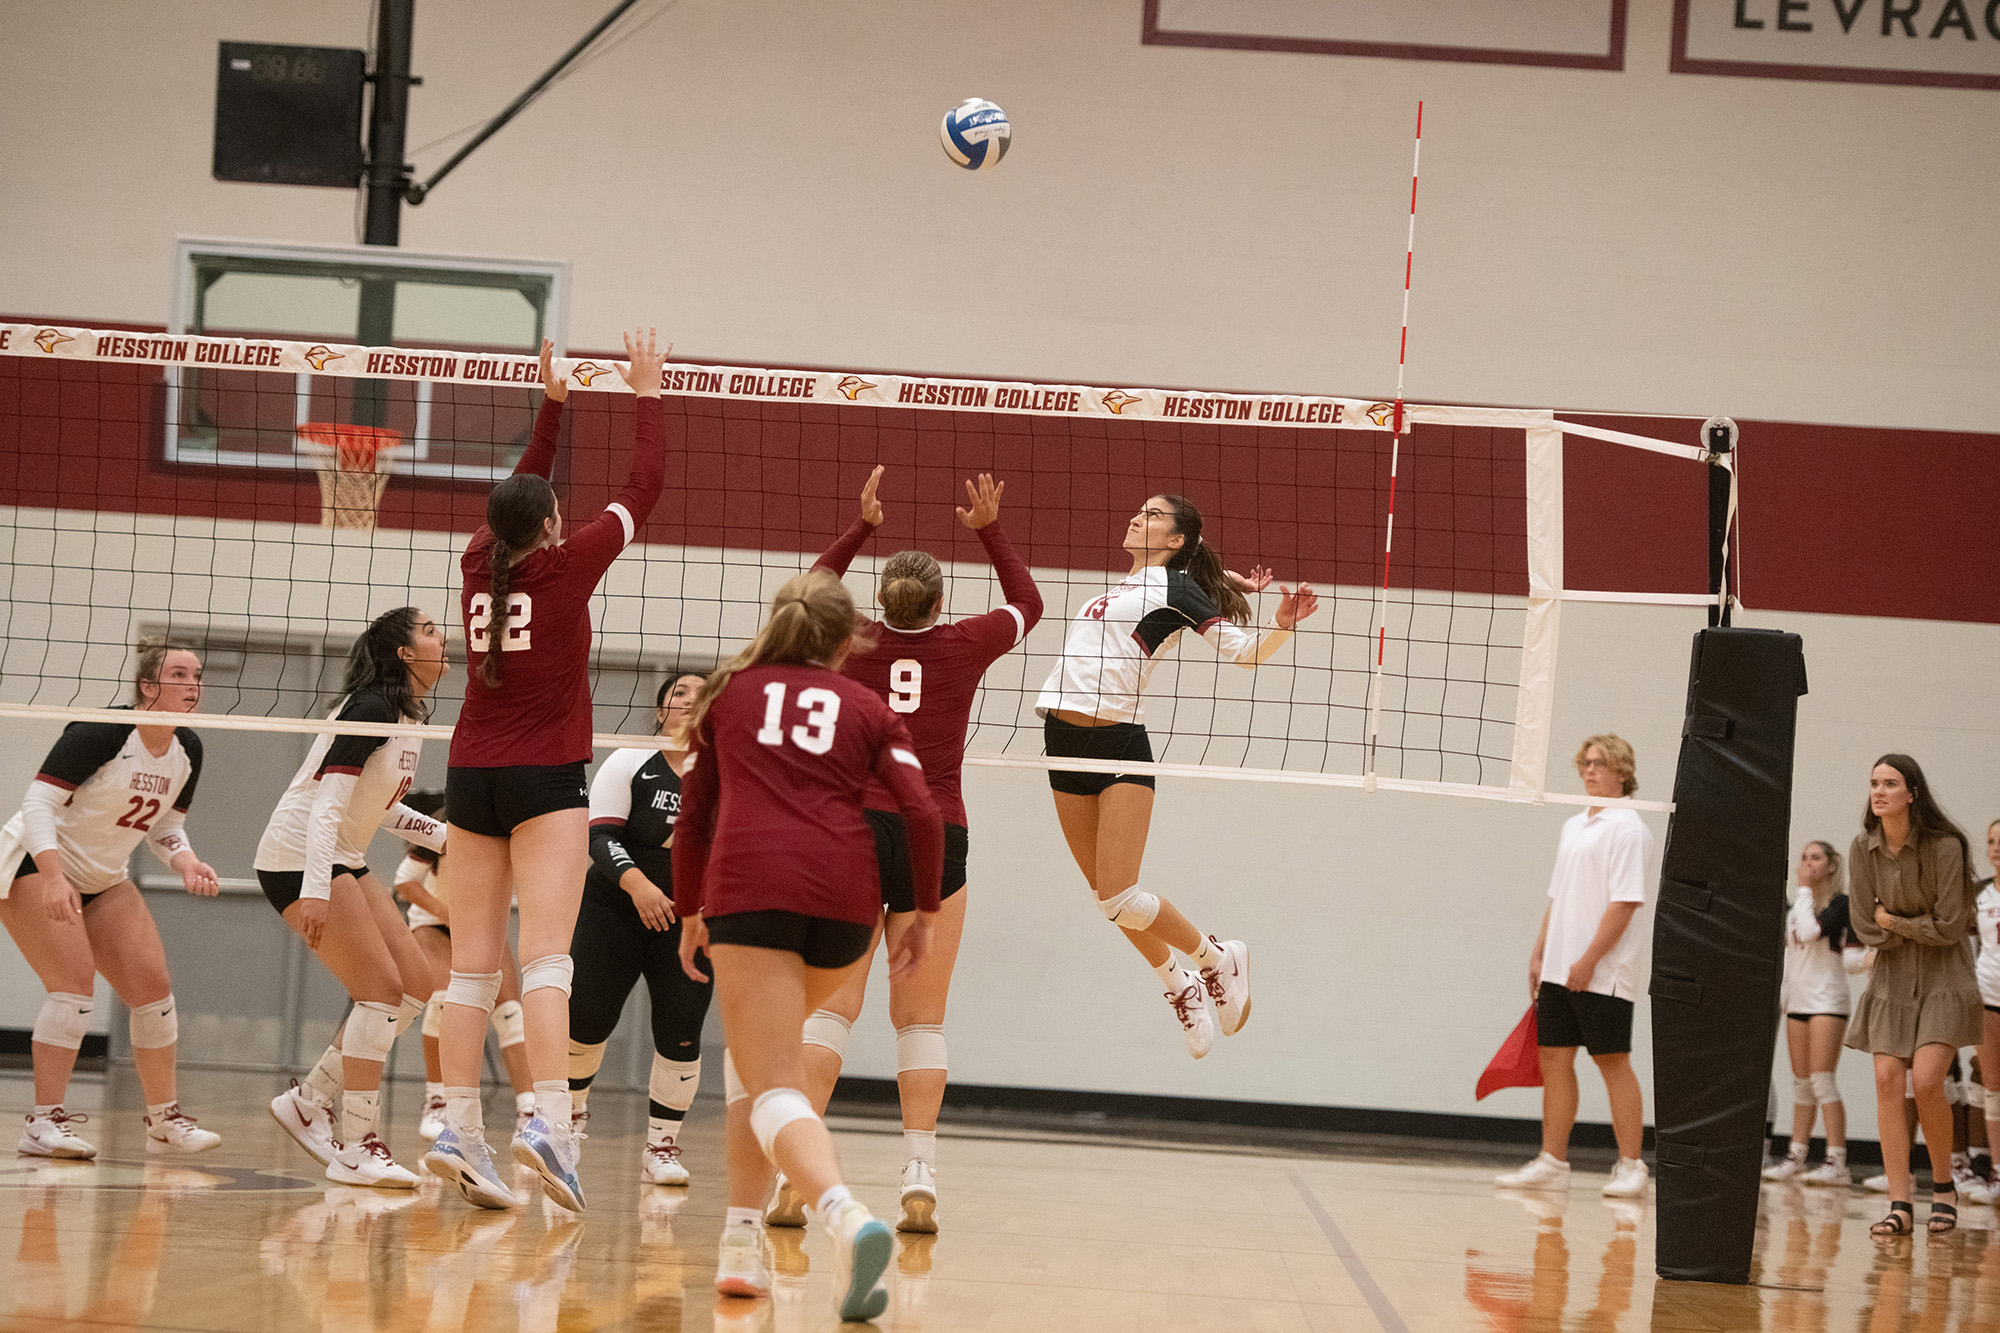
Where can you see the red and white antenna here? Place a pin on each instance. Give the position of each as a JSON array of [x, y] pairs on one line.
[[1395, 449]]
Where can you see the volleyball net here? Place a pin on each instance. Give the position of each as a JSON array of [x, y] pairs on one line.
[[262, 500]]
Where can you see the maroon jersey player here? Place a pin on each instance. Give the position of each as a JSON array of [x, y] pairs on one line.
[[774, 873], [515, 794], [928, 672]]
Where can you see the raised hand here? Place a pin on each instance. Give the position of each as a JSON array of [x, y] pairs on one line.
[[1296, 606], [1259, 579], [643, 361], [985, 501], [554, 385], [871, 508]]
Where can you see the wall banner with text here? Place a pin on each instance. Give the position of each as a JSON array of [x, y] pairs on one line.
[[1926, 43]]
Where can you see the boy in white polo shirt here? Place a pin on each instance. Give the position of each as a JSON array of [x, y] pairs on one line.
[[1585, 972]]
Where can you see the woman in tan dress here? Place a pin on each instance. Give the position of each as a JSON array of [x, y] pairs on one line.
[[1910, 895]]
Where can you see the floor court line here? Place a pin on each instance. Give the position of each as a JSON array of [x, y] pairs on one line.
[[1385, 1313]]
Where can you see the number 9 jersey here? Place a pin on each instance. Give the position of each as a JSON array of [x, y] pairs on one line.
[[771, 800]]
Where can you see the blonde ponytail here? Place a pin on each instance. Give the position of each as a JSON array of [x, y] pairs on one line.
[[811, 620]]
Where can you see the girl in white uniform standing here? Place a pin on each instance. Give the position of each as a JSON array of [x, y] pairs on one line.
[[1090, 710], [67, 896], [1817, 1004], [1986, 922], [312, 863]]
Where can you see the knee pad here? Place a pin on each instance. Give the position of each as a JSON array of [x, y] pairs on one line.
[[733, 1090], [920, 1046], [584, 1062], [673, 1083], [64, 1020], [434, 1015], [549, 972], [1804, 1092], [1975, 1095], [412, 1009], [1826, 1088], [828, 1029], [1951, 1093], [155, 1025], [370, 1032], [474, 990], [508, 1024], [1133, 909], [775, 1109]]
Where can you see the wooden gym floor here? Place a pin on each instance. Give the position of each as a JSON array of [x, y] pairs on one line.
[[1039, 1232]]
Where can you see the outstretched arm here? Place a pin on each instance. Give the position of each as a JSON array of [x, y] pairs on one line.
[[599, 542], [841, 554], [540, 455], [1245, 647]]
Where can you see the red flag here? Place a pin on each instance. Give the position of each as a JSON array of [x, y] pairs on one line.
[[1519, 1063]]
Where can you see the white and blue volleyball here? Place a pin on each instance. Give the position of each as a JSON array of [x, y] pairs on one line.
[[975, 134]]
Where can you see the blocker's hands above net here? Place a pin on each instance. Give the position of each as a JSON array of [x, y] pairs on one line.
[[554, 385], [985, 501], [643, 361], [1296, 606], [871, 508]]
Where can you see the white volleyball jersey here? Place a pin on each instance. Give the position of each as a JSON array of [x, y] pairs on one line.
[[99, 792], [1815, 979], [348, 787], [1116, 639], [413, 869], [1986, 916]]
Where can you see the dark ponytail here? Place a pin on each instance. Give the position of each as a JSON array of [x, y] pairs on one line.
[[515, 512], [374, 661], [1203, 564]]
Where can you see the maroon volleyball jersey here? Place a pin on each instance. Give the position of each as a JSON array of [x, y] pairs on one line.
[[771, 800], [929, 677], [540, 712]]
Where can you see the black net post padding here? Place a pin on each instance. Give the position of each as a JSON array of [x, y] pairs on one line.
[[1718, 947]]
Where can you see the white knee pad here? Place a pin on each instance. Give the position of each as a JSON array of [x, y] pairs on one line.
[[775, 1109], [826, 1028], [673, 1083], [1975, 1096], [474, 990], [549, 972], [1826, 1088], [920, 1046], [434, 1015], [585, 1060], [733, 1090], [1951, 1093], [412, 1009], [370, 1031], [64, 1020], [1133, 909], [508, 1024], [1803, 1092], [155, 1025]]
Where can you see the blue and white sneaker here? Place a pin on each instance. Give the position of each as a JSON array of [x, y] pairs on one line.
[[467, 1162], [861, 1249], [552, 1154]]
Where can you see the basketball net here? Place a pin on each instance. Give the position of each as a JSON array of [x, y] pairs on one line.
[[350, 488]]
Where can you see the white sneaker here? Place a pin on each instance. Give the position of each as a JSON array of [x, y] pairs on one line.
[[1628, 1179], [552, 1152], [1962, 1176], [369, 1163], [51, 1136], [1877, 1184], [786, 1208], [468, 1163], [431, 1124], [1229, 985], [660, 1164], [1190, 1005], [1826, 1173], [740, 1269], [861, 1250], [177, 1132], [919, 1197], [1787, 1167], [309, 1123], [1544, 1173], [1977, 1190]]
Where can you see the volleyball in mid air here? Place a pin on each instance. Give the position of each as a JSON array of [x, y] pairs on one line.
[[975, 134]]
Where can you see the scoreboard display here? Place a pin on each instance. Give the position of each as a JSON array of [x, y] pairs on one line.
[[288, 115]]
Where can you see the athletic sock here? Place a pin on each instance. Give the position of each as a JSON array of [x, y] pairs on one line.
[[358, 1112], [1206, 955], [922, 1145], [579, 1099], [157, 1111], [661, 1130], [44, 1112], [432, 1090], [1170, 973], [525, 1101], [744, 1217], [552, 1102], [462, 1111], [1836, 1157], [1795, 1151], [830, 1201], [323, 1080]]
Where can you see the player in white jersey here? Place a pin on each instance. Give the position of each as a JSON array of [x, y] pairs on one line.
[[313, 866], [1817, 1001], [1986, 925], [420, 885], [1090, 710], [67, 897]]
